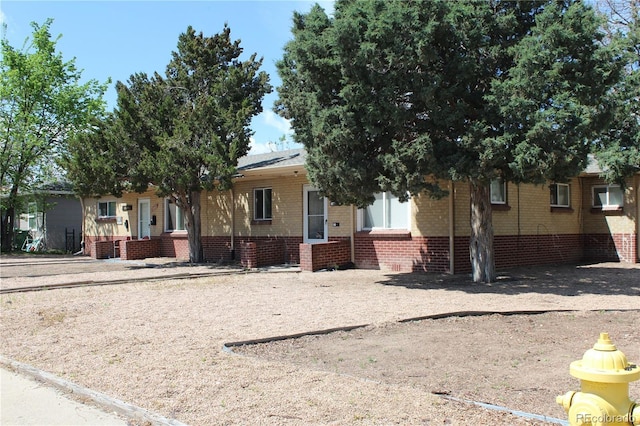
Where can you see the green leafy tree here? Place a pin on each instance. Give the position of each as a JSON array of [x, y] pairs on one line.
[[95, 161], [385, 94], [42, 104], [184, 132]]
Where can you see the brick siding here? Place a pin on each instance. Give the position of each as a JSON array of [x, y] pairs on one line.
[[140, 249], [610, 247], [401, 253], [102, 249], [332, 254], [431, 254], [255, 254]]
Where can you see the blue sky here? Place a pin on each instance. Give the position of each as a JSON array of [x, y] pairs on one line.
[[118, 38]]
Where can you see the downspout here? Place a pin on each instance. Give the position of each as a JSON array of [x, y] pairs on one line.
[[233, 224], [82, 228], [353, 235], [519, 222], [452, 229], [581, 229], [638, 219]]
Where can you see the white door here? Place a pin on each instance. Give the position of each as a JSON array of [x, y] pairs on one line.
[[315, 216], [144, 218]]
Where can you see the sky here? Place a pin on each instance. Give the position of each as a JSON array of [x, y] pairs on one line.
[[115, 39]]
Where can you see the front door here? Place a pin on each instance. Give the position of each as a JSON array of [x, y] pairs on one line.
[[315, 216], [144, 218]]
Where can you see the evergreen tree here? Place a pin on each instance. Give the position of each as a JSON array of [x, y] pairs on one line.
[[388, 93], [183, 133], [618, 148]]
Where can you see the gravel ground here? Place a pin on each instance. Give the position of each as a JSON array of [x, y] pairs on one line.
[[158, 344]]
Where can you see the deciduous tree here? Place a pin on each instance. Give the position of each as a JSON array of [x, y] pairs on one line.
[[42, 104]]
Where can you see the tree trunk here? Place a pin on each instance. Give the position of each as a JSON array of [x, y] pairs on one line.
[[194, 226], [7, 229], [481, 243], [8, 221]]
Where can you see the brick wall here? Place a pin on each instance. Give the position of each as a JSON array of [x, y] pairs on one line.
[[175, 244], [314, 257], [140, 249], [401, 252], [89, 248], [255, 254], [613, 248], [431, 254], [101, 249], [247, 254], [270, 252], [291, 246], [216, 249], [524, 250]]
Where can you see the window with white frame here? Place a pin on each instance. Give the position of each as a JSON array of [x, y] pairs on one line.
[[173, 217], [106, 209], [386, 212], [559, 195], [262, 204], [32, 215], [607, 196], [498, 191]]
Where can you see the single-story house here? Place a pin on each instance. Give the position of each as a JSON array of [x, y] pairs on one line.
[[274, 215], [52, 216]]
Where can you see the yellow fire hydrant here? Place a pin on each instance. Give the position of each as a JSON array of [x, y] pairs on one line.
[[604, 374]]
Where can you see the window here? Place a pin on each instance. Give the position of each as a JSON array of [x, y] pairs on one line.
[[262, 204], [173, 217], [498, 191], [106, 209], [32, 215], [559, 195], [386, 212], [607, 196]]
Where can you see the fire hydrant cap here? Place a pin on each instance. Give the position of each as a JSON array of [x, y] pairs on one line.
[[605, 363]]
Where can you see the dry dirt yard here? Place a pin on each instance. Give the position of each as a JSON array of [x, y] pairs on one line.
[[158, 344]]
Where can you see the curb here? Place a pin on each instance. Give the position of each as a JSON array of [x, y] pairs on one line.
[[178, 276], [98, 399], [227, 347]]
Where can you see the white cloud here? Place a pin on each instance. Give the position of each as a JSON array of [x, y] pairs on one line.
[[259, 148], [271, 119]]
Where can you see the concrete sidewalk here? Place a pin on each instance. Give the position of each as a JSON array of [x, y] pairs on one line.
[[24, 401]]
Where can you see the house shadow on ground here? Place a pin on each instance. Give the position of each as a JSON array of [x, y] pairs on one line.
[[563, 280]]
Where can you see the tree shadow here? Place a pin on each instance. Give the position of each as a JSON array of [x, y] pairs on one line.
[[563, 280], [176, 264]]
